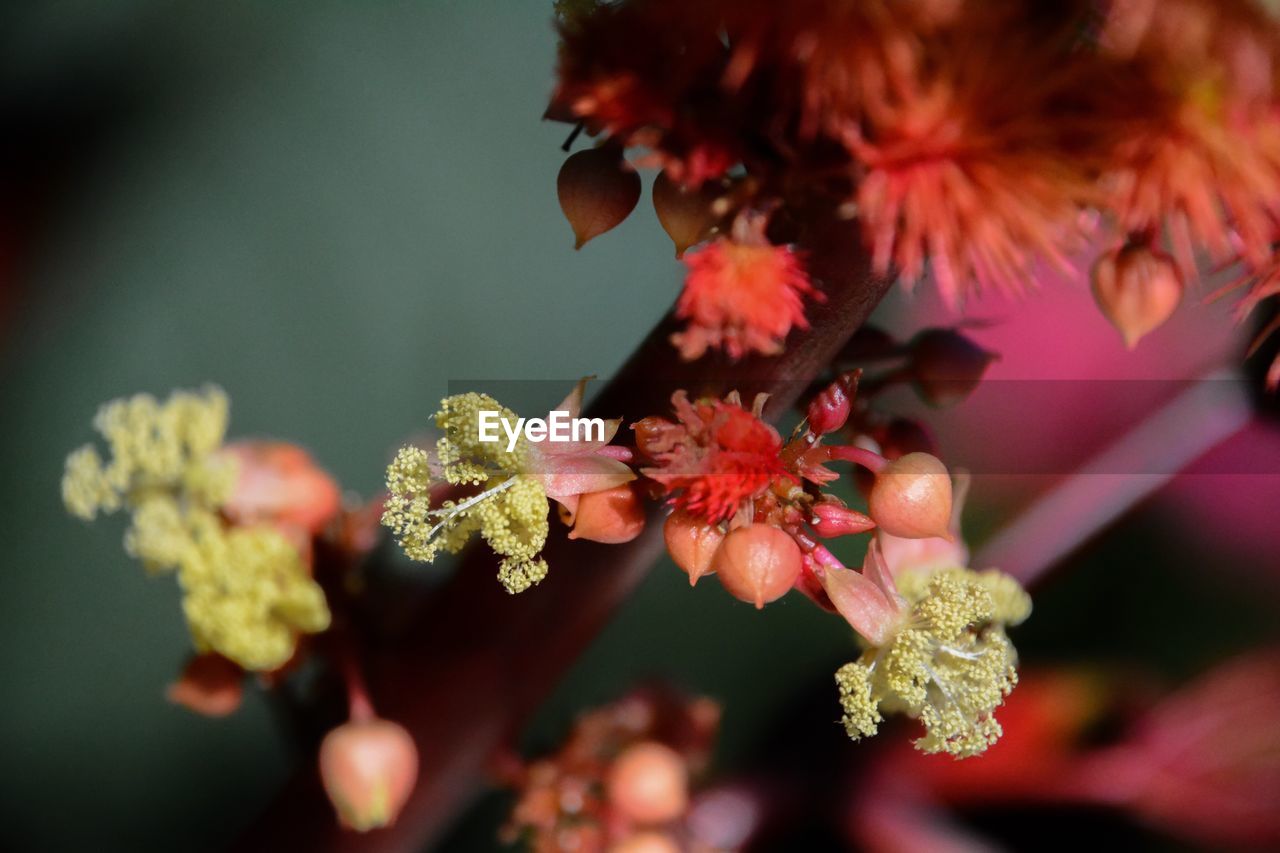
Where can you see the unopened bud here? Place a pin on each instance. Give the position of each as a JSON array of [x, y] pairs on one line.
[[687, 215], [210, 685], [611, 516], [911, 497], [692, 543], [831, 518], [649, 783], [830, 409], [280, 483], [369, 768], [597, 191], [1137, 287], [946, 366], [758, 563], [647, 842]]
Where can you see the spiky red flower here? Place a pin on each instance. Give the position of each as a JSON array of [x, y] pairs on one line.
[[741, 297], [715, 457]]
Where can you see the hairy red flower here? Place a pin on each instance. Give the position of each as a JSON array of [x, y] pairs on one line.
[[741, 297], [715, 457]]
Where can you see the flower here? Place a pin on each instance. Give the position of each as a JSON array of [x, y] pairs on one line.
[[247, 588], [369, 768], [935, 649], [715, 457], [509, 509], [741, 297]]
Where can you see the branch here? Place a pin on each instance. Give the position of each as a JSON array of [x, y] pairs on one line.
[[1110, 484], [477, 662]]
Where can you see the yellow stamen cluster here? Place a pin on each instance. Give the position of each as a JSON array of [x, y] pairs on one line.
[[509, 511], [247, 593], [949, 665]]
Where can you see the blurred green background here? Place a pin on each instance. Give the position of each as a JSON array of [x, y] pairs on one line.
[[331, 210]]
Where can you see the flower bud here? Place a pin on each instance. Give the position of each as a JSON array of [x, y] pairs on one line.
[[830, 409], [911, 497], [280, 483], [369, 768], [692, 543], [597, 190], [210, 685], [758, 563], [647, 842], [649, 783], [686, 214], [611, 516], [1137, 287], [831, 518], [946, 366]]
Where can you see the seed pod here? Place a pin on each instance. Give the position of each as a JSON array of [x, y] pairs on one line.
[[369, 768], [946, 366], [911, 497], [758, 563], [611, 516], [692, 543], [597, 190], [687, 215], [649, 783], [1138, 288]]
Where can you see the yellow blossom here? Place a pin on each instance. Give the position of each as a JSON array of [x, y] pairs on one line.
[[247, 593], [509, 511], [948, 664]]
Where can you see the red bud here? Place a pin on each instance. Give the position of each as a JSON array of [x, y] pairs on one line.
[[758, 563], [611, 516], [597, 191], [830, 409], [1137, 287], [946, 365], [911, 497], [692, 543], [830, 519], [369, 769], [649, 783], [686, 214]]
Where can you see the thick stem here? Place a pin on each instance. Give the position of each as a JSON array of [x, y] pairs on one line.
[[476, 662]]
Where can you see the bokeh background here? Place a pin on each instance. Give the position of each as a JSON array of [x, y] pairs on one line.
[[332, 210]]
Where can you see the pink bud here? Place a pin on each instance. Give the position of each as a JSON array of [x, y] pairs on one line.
[[280, 483], [597, 191], [369, 768], [692, 543], [830, 409], [1137, 287], [758, 563], [911, 497], [611, 516], [647, 842], [649, 783], [946, 366], [830, 518]]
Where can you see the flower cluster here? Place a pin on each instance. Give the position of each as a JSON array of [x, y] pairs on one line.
[[978, 144], [620, 781], [247, 588]]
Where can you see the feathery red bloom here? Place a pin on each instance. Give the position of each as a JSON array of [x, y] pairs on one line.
[[1202, 158], [741, 297], [715, 457]]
